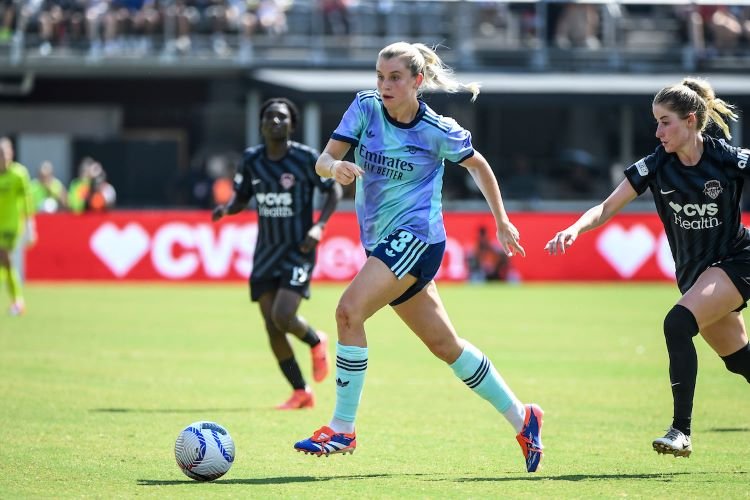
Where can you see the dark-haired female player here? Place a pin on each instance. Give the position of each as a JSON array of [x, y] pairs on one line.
[[280, 173]]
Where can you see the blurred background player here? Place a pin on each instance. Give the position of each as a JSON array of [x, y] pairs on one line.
[[280, 174], [15, 211], [400, 147], [696, 181]]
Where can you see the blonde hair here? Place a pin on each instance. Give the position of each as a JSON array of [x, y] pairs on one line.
[[419, 58], [695, 95]]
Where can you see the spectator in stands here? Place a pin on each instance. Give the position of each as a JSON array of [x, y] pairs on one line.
[[131, 24], [727, 27], [78, 188], [7, 19], [96, 11], [51, 19], [90, 191], [47, 191], [336, 16], [578, 27], [101, 195], [715, 29], [487, 261]]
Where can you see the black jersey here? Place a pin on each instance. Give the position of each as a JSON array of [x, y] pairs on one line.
[[283, 191], [699, 206]]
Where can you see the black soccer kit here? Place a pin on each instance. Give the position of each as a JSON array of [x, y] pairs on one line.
[[283, 191], [699, 207]]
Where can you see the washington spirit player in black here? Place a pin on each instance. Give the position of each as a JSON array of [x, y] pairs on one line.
[[281, 175], [696, 181]]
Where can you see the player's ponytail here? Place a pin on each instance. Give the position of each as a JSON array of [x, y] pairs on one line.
[[695, 95], [419, 58]]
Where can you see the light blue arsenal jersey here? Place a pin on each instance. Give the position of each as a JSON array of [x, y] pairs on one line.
[[403, 163]]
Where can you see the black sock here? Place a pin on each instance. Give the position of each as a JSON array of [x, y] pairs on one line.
[[291, 371], [682, 424], [739, 362], [679, 329], [311, 338]]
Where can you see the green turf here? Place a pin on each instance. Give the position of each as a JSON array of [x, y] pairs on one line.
[[96, 381]]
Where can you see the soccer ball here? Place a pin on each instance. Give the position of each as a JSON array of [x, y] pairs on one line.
[[204, 451]]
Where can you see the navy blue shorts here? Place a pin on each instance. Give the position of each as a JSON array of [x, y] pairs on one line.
[[404, 254]]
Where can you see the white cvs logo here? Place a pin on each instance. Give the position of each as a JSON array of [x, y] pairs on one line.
[[626, 250], [119, 249], [177, 250]]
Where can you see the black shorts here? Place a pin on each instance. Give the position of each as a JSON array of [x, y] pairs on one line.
[[289, 268], [737, 268]]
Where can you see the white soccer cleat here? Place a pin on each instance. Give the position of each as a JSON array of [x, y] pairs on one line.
[[674, 442]]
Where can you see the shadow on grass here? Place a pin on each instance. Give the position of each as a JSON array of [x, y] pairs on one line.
[[730, 429], [273, 480], [176, 410], [661, 477]]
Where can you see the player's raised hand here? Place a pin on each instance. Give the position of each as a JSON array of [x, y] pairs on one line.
[[345, 172], [509, 237], [561, 242]]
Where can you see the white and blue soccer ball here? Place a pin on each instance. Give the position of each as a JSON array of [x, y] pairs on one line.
[[204, 451]]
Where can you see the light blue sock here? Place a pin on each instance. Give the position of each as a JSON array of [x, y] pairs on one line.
[[477, 372], [351, 366]]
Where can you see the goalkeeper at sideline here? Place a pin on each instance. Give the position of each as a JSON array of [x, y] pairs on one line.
[[15, 212]]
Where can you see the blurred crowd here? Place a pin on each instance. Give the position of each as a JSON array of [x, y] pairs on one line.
[[226, 27], [112, 27], [89, 192]]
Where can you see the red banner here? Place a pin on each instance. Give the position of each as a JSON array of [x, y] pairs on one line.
[[186, 245]]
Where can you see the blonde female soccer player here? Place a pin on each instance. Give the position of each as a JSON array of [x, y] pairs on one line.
[[399, 147]]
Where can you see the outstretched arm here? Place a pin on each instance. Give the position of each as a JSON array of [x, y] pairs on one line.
[[592, 218], [480, 171], [235, 205]]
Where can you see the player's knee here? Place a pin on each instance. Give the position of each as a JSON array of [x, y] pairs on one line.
[[679, 326], [739, 362], [445, 348], [348, 315], [282, 320]]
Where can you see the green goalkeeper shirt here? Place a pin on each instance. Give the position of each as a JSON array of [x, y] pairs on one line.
[[15, 198]]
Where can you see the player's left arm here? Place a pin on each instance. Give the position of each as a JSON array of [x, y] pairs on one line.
[[485, 179], [28, 210]]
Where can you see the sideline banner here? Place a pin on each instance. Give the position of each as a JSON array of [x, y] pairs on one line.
[[187, 246]]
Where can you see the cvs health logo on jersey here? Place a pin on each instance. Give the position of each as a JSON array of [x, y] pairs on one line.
[[695, 215]]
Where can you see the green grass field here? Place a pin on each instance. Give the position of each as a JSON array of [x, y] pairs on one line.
[[96, 381]]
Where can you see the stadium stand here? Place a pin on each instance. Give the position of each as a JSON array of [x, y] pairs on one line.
[[180, 80]]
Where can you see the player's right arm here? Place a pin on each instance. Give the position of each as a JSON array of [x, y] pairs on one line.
[[593, 218], [331, 165], [243, 191]]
